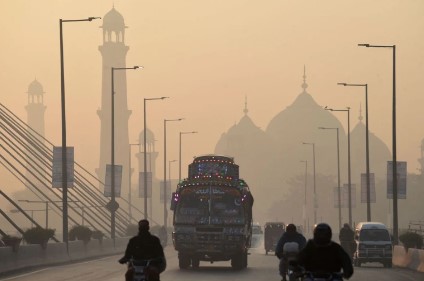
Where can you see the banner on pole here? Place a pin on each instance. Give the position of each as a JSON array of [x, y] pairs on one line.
[[364, 188], [168, 192], [57, 167], [345, 195], [108, 180], [141, 185], [401, 169]]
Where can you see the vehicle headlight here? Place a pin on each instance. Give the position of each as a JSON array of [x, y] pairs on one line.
[[361, 247], [388, 247]]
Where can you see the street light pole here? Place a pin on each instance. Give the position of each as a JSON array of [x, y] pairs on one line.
[[315, 192], [63, 110], [113, 205], [169, 178], [145, 154], [338, 174], [394, 160], [165, 211], [306, 184], [129, 183], [179, 162], [367, 146], [348, 161]]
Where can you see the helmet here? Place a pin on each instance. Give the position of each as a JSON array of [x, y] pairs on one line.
[[291, 228], [322, 234]]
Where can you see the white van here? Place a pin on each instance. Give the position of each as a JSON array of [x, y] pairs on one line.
[[373, 244]]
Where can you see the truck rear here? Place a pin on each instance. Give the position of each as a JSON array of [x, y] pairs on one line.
[[212, 214]]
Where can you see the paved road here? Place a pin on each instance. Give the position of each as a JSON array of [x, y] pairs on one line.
[[261, 267]]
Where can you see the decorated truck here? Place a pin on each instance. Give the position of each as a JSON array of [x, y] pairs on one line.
[[212, 214]]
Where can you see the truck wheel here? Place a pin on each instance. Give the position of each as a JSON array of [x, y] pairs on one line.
[[237, 262], [245, 260], [195, 263], [183, 261]]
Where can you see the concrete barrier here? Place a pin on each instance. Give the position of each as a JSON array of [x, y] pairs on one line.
[[55, 253], [413, 258]]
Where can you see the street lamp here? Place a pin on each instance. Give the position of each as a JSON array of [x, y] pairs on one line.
[[64, 166], [367, 146], [179, 162], [338, 174], [315, 193], [306, 184], [113, 205], [394, 175], [145, 152], [165, 211], [349, 187], [43, 202], [129, 182], [169, 176], [14, 211]]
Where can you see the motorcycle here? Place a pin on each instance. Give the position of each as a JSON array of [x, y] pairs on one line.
[[297, 272], [318, 276], [139, 269]]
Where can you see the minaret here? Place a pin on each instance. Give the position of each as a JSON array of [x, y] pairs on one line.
[[151, 153], [35, 113], [114, 53], [35, 107]]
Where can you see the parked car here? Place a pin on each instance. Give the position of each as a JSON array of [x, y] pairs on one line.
[[373, 244]]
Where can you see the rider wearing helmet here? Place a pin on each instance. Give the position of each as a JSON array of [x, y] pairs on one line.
[[322, 255], [145, 246], [288, 246]]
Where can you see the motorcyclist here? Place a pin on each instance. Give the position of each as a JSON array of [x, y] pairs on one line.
[[322, 255], [289, 244], [347, 240], [145, 246]]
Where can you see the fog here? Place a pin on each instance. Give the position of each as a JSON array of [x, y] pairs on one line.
[[215, 59]]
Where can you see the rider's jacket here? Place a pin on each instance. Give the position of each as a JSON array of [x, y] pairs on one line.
[[289, 237], [346, 235], [329, 258], [145, 246]]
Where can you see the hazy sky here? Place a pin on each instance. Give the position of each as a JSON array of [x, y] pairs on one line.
[[207, 55]]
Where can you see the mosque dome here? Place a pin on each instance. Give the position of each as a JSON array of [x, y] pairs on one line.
[[35, 88], [113, 20], [378, 151], [150, 137]]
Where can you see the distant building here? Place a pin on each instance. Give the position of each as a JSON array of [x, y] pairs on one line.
[[270, 159]]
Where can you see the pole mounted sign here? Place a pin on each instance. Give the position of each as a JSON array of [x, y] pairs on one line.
[[57, 167], [401, 169], [364, 188], [141, 184], [108, 180]]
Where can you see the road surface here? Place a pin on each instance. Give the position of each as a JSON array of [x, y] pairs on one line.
[[261, 267]]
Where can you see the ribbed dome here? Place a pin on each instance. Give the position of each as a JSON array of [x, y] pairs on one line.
[[113, 20], [35, 88]]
